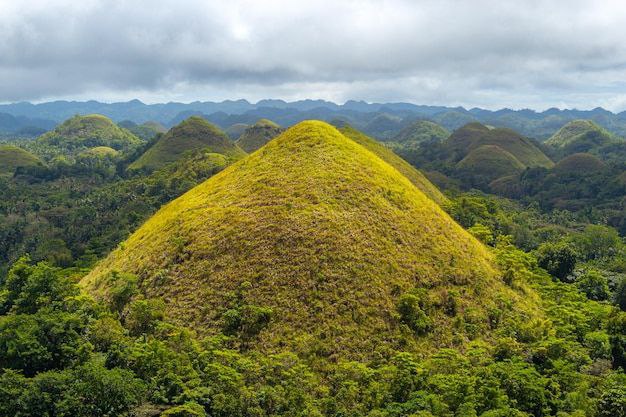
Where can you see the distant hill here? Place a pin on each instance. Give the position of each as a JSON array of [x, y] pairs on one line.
[[421, 131], [578, 163], [145, 131], [12, 157], [191, 135], [236, 130], [491, 162], [258, 134], [84, 132], [581, 136], [383, 126], [361, 239], [474, 135]]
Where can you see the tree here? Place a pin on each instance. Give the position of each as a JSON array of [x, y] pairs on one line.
[[559, 259], [594, 285], [143, 315], [620, 294], [412, 314]]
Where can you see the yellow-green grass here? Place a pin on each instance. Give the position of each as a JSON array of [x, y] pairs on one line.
[[193, 134], [80, 132], [581, 131], [579, 163], [257, 135], [13, 157], [421, 131], [491, 161], [326, 234], [416, 177], [473, 135]]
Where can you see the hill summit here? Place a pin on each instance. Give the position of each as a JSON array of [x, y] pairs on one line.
[[421, 131], [83, 132], [257, 135], [192, 134], [315, 244]]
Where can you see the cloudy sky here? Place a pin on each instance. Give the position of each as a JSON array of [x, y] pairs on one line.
[[492, 54]]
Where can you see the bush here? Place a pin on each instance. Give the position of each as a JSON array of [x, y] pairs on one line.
[[412, 314], [594, 285], [190, 409]]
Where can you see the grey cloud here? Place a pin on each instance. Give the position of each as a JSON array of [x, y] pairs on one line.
[[488, 53]]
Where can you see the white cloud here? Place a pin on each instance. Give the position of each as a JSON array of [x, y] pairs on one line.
[[473, 53]]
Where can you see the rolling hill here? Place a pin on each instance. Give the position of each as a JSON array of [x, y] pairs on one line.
[[474, 135], [83, 132], [12, 157], [193, 134], [421, 131], [578, 163], [581, 136], [257, 135], [491, 162], [320, 243]]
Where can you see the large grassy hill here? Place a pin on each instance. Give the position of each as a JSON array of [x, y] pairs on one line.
[[316, 244], [83, 132], [12, 157], [193, 134], [257, 135], [473, 135]]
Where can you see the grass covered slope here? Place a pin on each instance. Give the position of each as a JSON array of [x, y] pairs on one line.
[[84, 132], [328, 240], [421, 131], [491, 161], [12, 157], [193, 134], [579, 163], [416, 177], [257, 135], [473, 135]]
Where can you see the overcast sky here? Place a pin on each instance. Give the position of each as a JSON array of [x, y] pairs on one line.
[[490, 54]]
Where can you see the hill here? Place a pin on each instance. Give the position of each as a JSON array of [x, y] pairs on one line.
[[421, 131], [82, 132], [12, 157], [578, 163], [257, 135], [581, 136], [236, 130], [364, 244], [193, 134], [387, 155], [474, 135], [491, 162]]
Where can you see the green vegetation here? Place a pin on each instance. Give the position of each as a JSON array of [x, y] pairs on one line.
[[314, 277], [236, 130], [83, 132], [12, 157], [191, 135], [145, 131], [257, 135]]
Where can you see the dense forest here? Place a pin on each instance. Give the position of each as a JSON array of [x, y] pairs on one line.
[[310, 271]]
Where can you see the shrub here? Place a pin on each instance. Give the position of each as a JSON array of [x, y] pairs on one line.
[[559, 259], [594, 285], [412, 314]]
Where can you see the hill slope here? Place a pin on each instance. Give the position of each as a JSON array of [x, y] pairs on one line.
[[473, 135], [324, 233], [257, 135], [579, 163], [191, 135], [416, 177], [83, 132], [421, 131], [12, 157]]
